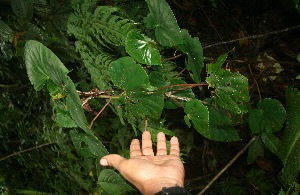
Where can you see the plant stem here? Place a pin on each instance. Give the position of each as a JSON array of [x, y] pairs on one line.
[[227, 166], [26, 150], [100, 112]]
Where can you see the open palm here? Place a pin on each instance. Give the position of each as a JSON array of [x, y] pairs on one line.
[[149, 172]]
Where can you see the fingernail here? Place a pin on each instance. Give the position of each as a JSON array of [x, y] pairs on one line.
[[103, 162]]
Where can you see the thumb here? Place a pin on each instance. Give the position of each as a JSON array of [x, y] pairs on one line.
[[112, 160]]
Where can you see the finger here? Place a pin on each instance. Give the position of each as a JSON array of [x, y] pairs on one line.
[[174, 149], [161, 144], [147, 144], [135, 148], [114, 160]]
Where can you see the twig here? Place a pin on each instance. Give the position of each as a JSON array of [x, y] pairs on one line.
[[180, 73], [185, 86], [253, 37], [171, 58], [26, 150], [228, 165], [9, 86], [100, 112]]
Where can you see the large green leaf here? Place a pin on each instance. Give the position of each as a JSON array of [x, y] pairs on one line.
[[192, 47], [113, 183], [88, 145], [231, 88], [22, 9], [268, 118], [127, 74], [161, 18], [42, 64], [142, 48], [290, 144], [5, 32]]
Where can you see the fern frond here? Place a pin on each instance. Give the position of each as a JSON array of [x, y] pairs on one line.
[[97, 65]]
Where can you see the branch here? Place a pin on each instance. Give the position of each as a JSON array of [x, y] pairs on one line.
[[26, 150], [253, 37], [243, 150]]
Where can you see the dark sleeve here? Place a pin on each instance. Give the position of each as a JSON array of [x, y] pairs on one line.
[[173, 191]]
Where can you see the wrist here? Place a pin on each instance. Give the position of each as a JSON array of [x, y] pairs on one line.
[[152, 187]]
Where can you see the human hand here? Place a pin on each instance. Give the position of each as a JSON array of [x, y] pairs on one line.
[[147, 172]]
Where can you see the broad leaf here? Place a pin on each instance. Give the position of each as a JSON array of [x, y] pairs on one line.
[[290, 144], [42, 64], [192, 47], [128, 75], [268, 118], [113, 183], [142, 48], [231, 88], [22, 9], [161, 18], [88, 145]]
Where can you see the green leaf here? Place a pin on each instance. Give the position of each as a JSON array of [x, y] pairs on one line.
[[74, 107], [192, 47], [268, 118], [198, 114], [22, 9], [145, 104], [271, 141], [88, 145], [290, 144], [113, 183], [42, 64], [161, 18], [298, 57], [5, 32], [128, 75], [231, 88], [256, 149], [142, 48]]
